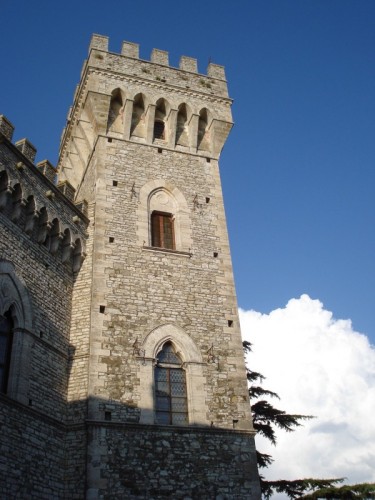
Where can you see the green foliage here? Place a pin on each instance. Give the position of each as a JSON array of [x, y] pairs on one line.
[[362, 491], [294, 489], [266, 417]]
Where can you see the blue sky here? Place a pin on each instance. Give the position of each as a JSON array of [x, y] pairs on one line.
[[298, 168]]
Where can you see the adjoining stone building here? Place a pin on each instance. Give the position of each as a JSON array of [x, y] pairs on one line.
[[122, 372]]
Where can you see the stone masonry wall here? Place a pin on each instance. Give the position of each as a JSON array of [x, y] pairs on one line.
[[143, 296], [28, 467], [33, 461], [146, 462], [143, 288], [50, 287]]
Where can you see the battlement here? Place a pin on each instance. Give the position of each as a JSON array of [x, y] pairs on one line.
[[30, 199], [161, 57], [124, 97]]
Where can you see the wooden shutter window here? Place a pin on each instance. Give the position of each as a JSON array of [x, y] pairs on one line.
[[162, 230]]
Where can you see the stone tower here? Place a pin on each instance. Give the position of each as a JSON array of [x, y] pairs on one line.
[[156, 399]]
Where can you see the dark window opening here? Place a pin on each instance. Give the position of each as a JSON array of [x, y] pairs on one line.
[[111, 239], [216, 254], [101, 309], [230, 322], [159, 130], [162, 230], [170, 388], [114, 183], [6, 340]]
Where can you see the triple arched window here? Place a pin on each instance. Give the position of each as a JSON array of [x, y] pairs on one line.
[[170, 388]]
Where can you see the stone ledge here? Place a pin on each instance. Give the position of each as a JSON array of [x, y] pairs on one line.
[[168, 251], [201, 429]]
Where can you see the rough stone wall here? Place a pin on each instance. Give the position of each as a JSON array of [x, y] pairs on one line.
[[148, 462], [28, 466], [143, 288], [34, 410], [50, 287], [75, 448]]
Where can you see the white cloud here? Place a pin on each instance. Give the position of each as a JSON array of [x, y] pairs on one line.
[[319, 366]]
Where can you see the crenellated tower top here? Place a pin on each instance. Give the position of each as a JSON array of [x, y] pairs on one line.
[[149, 102], [131, 50]]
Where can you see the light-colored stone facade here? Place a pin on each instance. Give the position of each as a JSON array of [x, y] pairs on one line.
[[116, 299]]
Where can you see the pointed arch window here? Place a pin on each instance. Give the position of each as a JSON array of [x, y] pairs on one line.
[[6, 340], [5, 189], [138, 125], [170, 388], [181, 127], [160, 120], [203, 132], [115, 114]]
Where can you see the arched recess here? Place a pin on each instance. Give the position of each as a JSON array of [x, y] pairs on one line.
[[164, 197], [160, 123], [13, 293], [67, 246], [43, 226], [30, 215], [116, 110], [164, 223], [15, 303], [17, 203], [78, 255], [182, 132], [5, 190], [138, 122], [203, 130], [54, 237], [192, 363]]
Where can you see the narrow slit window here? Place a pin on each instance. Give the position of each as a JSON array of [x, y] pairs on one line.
[[6, 340], [162, 230]]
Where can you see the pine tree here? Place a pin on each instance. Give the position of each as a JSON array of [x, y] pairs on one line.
[[362, 491]]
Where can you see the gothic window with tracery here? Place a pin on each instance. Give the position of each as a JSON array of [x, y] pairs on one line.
[[170, 388], [6, 339]]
